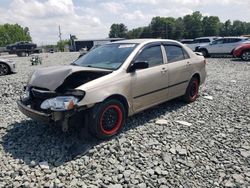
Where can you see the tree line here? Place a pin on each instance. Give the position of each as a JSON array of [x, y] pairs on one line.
[[189, 26], [11, 33]]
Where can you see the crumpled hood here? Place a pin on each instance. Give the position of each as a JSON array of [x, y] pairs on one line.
[[52, 77]]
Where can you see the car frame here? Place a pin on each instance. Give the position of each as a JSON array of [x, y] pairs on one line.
[[7, 66], [112, 95]]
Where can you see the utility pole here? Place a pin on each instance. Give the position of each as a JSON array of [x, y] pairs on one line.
[[60, 34]]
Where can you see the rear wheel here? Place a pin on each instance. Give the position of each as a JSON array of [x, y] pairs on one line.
[[4, 69], [245, 56], [107, 119], [192, 90]]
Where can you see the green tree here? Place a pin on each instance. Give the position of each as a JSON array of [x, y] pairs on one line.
[[163, 27], [211, 26], [146, 33], [61, 44], [118, 30], [226, 28], [135, 33], [11, 33], [179, 29], [238, 28], [193, 25]]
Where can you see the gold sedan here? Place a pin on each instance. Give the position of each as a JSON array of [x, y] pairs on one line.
[[111, 82]]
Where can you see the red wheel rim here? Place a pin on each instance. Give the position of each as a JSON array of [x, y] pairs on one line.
[[111, 119], [194, 90]]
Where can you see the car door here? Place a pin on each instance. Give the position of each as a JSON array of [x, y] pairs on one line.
[[149, 86], [216, 46], [179, 69]]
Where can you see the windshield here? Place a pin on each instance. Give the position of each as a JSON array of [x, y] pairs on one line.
[[109, 56]]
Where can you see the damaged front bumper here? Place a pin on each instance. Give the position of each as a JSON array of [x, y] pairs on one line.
[[61, 117]]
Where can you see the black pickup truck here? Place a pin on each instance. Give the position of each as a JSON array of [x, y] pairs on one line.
[[22, 48]]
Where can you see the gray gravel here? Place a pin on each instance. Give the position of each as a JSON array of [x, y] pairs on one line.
[[203, 144]]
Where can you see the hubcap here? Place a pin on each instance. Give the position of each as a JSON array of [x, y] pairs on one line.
[[3, 69], [246, 56], [111, 119]]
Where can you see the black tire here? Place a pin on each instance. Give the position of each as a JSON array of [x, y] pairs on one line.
[[192, 90], [204, 52], [4, 69], [106, 119], [245, 56]]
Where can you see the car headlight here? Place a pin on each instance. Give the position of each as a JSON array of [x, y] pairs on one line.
[[60, 103]]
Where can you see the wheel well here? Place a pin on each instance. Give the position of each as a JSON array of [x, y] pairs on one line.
[[196, 75], [203, 49], [122, 99], [246, 50], [5, 64]]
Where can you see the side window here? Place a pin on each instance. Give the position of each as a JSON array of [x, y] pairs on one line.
[[219, 41], [226, 40], [204, 40], [236, 40], [175, 53], [152, 55]]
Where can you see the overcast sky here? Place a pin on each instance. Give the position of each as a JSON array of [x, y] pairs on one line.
[[93, 18]]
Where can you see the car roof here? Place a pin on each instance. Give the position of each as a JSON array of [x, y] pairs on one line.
[[210, 37], [237, 37], [140, 41], [186, 39]]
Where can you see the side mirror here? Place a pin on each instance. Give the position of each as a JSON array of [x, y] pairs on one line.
[[138, 65]]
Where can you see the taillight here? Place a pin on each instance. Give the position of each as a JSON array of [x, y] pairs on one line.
[[205, 61]]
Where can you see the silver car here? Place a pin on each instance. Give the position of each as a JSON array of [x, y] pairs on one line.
[[7, 66], [116, 80]]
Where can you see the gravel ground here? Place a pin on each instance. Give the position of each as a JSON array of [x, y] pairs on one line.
[[211, 148]]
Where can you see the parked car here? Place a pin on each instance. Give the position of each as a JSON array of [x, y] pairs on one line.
[[224, 45], [243, 51], [112, 82], [199, 42], [7, 66]]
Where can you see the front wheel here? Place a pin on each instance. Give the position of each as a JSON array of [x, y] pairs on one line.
[[245, 56], [192, 90], [204, 52], [107, 119], [4, 69]]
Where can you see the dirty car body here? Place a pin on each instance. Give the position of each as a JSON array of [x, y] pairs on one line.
[[112, 82]]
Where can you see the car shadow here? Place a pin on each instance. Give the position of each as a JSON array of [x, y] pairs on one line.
[[239, 60], [31, 141]]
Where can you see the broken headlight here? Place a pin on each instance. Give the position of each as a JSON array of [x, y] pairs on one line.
[[60, 103]]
